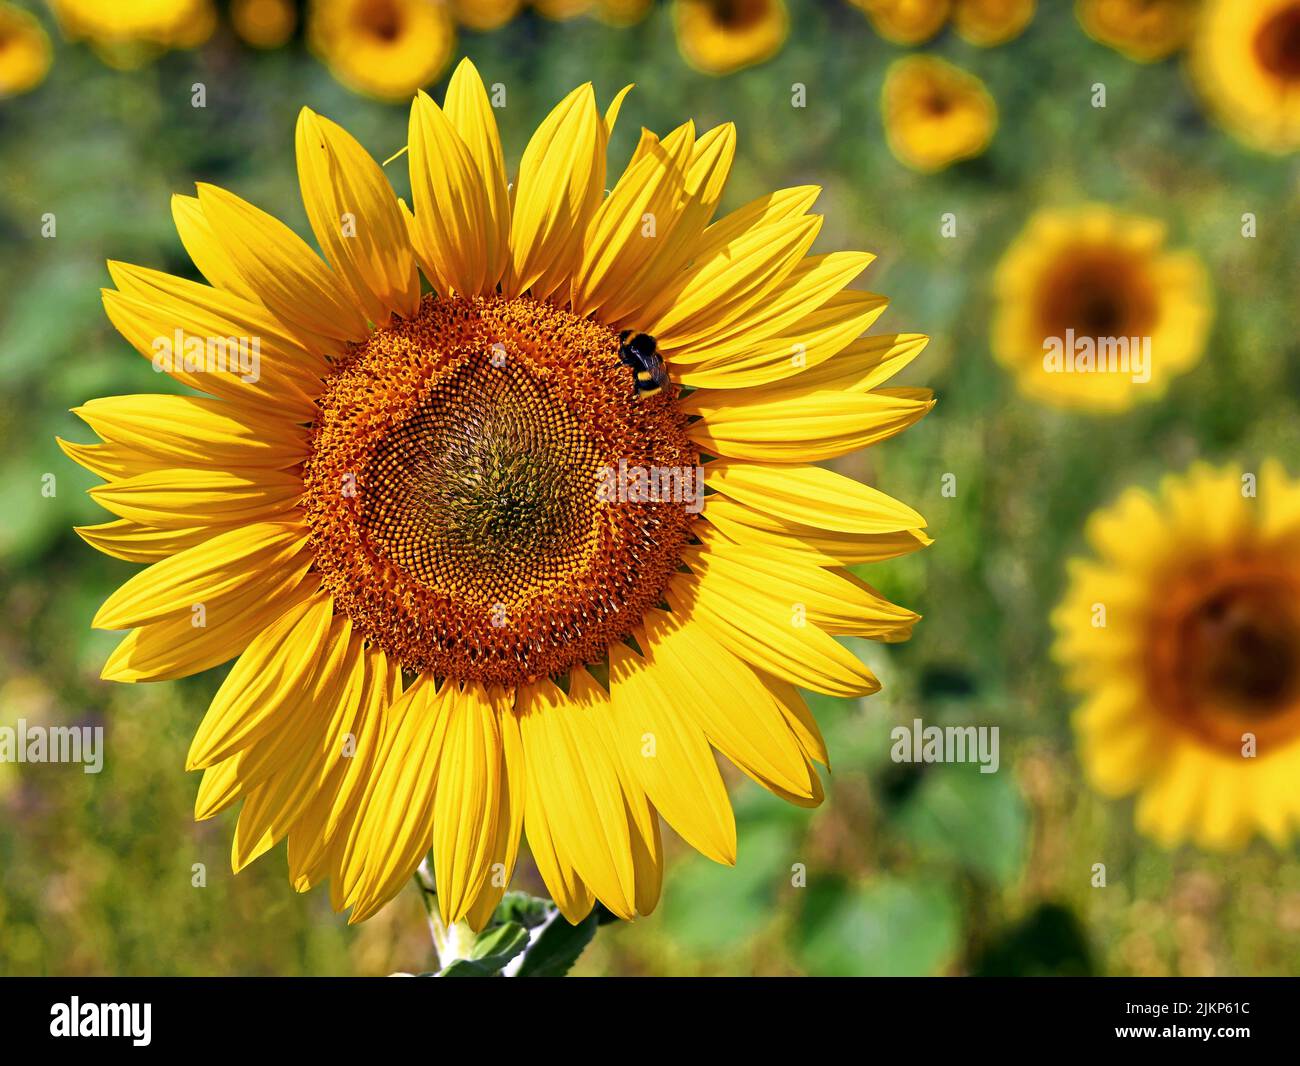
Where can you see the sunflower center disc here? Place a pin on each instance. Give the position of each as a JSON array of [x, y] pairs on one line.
[[1229, 660], [1097, 295], [1278, 44], [454, 492]]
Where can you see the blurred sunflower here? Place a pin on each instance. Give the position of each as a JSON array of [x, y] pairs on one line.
[[404, 523], [485, 15], [991, 22], [24, 51], [622, 12], [935, 113], [562, 10], [722, 36], [383, 48], [264, 23], [1143, 30], [125, 33], [1184, 638], [1246, 63], [981, 22], [1093, 312]]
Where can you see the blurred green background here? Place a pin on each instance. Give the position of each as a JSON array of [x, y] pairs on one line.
[[910, 869]]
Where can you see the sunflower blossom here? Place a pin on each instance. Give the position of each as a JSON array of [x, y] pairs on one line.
[[1183, 636], [126, 33], [24, 51], [460, 539], [1245, 60], [1142, 30], [723, 36], [981, 22], [387, 49], [935, 114], [264, 23], [1093, 312]]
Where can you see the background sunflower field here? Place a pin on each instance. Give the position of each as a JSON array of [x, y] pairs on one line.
[[907, 868]]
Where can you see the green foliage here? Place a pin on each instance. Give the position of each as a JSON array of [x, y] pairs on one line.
[[892, 927]]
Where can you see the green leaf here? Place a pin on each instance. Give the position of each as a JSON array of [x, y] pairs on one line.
[[528, 911], [558, 946], [492, 950], [972, 820], [470, 968]]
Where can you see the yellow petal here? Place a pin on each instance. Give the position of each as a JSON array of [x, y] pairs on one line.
[[170, 320], [394, 823], [727, 699], [205, 250], [173, 497], [451, 206], [809, 285], [576, 779], [183, 645], [221, 566], [135, 543], [811, 496], [180, 430], [266, 682], [836, 602], [670, 756], [567, 888], [467, 108], [561, 183], [510, 821], [754, 530], [631, 228], [466, 803], [354, 214], [767, 635], [810, 342], [280, 267], [811, 427], [718, 291]]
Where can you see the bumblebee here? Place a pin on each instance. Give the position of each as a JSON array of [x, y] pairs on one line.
[[638, 351]]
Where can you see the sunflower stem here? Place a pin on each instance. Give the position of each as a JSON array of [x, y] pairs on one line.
[[451, 942]]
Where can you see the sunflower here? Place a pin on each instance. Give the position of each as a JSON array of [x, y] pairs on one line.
[[1246, 63], [466, 561], [906, 21], [383, 48], [722, 36], [127, 32], [1184, 638], [24, 51], [981, 22], [990, 22], [935, 113], [1143, 30], [622, 12], [562, 10], [264, 23], [485, 14], [1092, 311]]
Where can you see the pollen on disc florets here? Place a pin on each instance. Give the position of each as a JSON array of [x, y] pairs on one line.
[[453, 490]]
